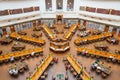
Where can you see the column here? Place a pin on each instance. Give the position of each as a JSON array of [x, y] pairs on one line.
[[8, 30], [117, 33], [64, 5], [54, 5], [42, 6], [76, 5], [18, 27], [110, 29], [1, 32], [15, 27], [81, 22], [102, 27]]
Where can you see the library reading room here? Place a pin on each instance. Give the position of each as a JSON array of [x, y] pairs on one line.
[[59, 39]]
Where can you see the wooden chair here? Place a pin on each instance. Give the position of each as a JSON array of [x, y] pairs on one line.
[[45, 74], [42, 78]]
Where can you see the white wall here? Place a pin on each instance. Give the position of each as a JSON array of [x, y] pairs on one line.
[[13, 4]]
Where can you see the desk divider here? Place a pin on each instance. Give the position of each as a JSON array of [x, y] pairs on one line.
[[78, 68], [41, 68]]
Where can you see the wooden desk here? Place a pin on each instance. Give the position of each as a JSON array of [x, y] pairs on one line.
[[37, 35], [59, 47], [27, 38], [20, 53], [81, 28], [93, 38], [102, 67], [71, 31], [41, 68], [99, 53], [5, 41], [18, 67], [37, 29], [22, 33], [48, 32], [97, 32], [18, 47], [117, 51], [113, 40], [84, 33], [78, 68], [101, 46]]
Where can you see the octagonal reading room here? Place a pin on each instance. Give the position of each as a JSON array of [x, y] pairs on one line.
[[59, 39]]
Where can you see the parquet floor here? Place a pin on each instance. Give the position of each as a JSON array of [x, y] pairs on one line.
[[57, 68]]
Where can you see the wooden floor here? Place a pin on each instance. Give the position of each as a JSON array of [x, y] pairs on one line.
[[58, 68]]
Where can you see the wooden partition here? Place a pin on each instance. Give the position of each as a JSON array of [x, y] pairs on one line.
[[30, 9], [103, 11], [114, 31], [115, 12], [119, 34], [4, 12], [59, 19], [84, 23], [15, 11], [4, 31], [18, 11], [106, 28], [34, 24], [100, 10], [12, 29], [78, 22], [36, 8], [39, 22], [90, 9]]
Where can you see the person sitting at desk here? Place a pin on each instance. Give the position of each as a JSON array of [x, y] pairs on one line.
[[32, 54], [79, 75], [7, 36], [12, 59]]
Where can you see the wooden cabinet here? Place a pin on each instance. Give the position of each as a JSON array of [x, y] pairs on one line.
[[59, 19], [106, 28]]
